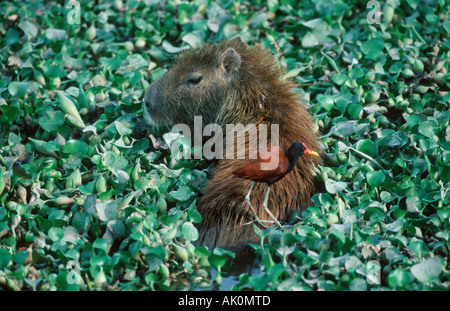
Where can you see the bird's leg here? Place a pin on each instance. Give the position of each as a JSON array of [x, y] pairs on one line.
[[247, 200], [267, 209]]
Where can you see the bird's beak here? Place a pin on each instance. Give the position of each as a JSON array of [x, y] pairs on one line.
[[309, 151]]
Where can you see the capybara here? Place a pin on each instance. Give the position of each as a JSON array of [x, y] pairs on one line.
[[230, 82]]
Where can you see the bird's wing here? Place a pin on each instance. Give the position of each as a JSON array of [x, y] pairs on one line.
[[263, 169]]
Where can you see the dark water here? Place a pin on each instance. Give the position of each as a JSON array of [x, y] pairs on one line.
[[243, 263]]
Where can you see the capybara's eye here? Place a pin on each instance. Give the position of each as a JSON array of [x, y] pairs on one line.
[[195, 78]]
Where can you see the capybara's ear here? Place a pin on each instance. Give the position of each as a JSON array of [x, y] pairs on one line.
[[230, 61], [237, 38]]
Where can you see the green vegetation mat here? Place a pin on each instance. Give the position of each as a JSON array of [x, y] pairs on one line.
[[92, 199]]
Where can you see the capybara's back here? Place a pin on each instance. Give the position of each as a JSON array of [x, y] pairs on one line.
[[235, 84]]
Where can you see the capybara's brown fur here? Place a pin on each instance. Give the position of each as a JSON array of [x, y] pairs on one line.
[[233, 83]]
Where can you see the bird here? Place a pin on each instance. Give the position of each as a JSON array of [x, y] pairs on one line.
[[261, 170]]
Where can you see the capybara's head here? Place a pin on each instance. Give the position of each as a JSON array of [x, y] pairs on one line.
[[215, 81]]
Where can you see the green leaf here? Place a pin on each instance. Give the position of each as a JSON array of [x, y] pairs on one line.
[[335, 186], [325, 101], [354, 110], [5, 257], [74, 146], [181, 194], [52, 120], [53, 68], [427, 270], [101, 244], [344, 128], [372, 45], [56, 233], [310, 40], [399, 278], [12, 36], [375, 178], [368, 147], [258, 18], [413, 3], [122, 129], [190, 233], [217, 260], [18, 89], [193, 39], [106, 211], [172, 49], [358, 284], [386, 196], [20, 257], [112, 63], [339, 79], [427, 129], [81, 221], [9, 114], [55, 34], [30, 28]]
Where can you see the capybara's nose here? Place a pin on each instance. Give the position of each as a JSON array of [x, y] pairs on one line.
[[153, 98], [149, 100]]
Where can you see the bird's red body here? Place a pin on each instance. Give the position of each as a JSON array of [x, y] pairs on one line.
[[269, 168], [252, 169]]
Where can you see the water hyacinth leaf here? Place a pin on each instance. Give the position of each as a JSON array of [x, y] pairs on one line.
[[81, 221], [18, 89], [194, 39], [172, 49], [54, 69], [151, 222], [181, 194], [427, 270], [69, 107], [74, 146], [217, 261], [412, 204], [52, 120], [122, 129], [56, 233], [386, 196], [309, 40], [12, 36], [339, 79], [354, 110], [101, 244], [325, 101], [190, 233], [122, 177], [5, 257], [29, 27], [112, 63], [334, 187], [344, 129], [375, 178], [106, 211], [54, 34], [376, 44], [8, 114], [399, 278], [427, 129], [368, 147]]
